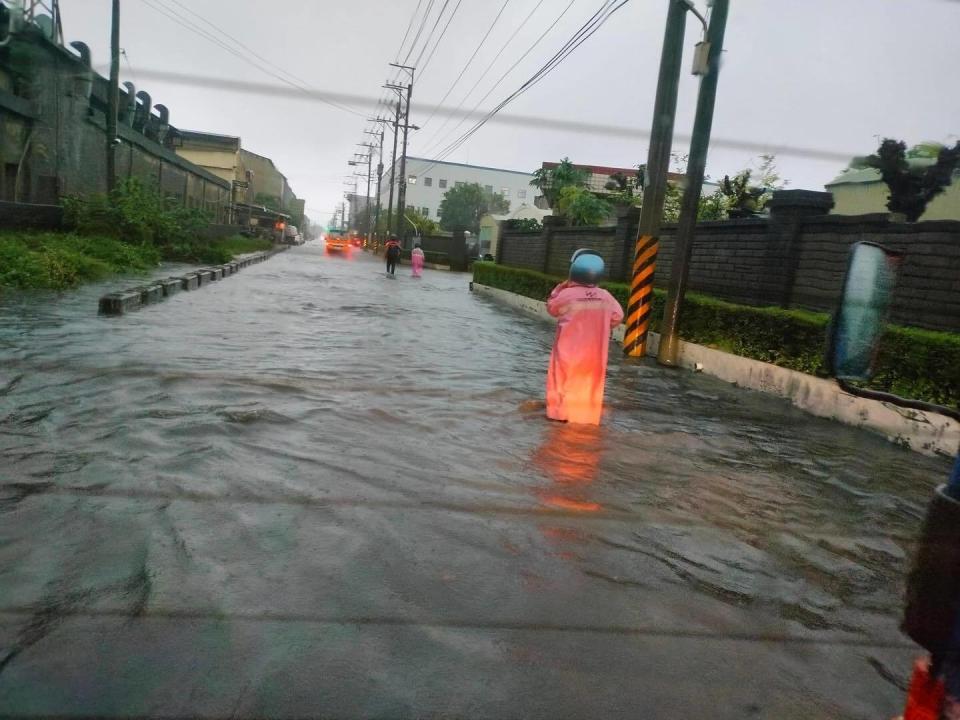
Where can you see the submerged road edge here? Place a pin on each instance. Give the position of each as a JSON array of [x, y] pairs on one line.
[[132, 299], [924, 432]]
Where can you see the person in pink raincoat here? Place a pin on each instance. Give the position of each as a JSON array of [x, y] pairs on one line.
[[416, 260], [578, 363]]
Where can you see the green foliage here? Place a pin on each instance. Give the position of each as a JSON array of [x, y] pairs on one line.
[[271, 202], [524, 225], [551, 181], [134, 213], [463, 206], [581, 207], [425, 225], [625, 190], [913, 363], [214, 252], [913, 185], [60, 261]]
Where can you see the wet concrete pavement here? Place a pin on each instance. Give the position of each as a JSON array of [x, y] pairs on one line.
[[311, 491]]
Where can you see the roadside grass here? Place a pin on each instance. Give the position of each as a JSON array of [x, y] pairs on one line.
[[60, 261]]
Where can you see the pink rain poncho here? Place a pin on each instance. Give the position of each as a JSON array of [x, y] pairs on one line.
[[578, 363], [416, 261]]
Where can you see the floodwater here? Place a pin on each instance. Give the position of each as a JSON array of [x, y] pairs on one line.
[[312, 491]]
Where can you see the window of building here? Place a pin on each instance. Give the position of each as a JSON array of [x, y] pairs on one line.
[[428, 182], [410, 208], [505, 191], [522, 194], [443, 183], [488, 188], [425, 211], [457, 183]]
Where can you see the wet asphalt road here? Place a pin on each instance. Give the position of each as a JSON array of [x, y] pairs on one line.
[[311, 491]]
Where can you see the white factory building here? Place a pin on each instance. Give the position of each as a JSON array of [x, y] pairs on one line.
[[428, 180]]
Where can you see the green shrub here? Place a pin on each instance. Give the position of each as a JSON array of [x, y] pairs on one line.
[[59, 261], [913, 363]]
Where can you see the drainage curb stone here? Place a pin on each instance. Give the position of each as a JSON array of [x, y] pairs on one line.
[[171, 286], [117, 303]]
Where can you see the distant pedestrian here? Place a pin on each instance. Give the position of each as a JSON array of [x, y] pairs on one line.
[[393, 254], [416, 260], [578, 363]]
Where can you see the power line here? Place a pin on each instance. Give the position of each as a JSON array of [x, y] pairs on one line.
[[504, 75], [416, 39], [515, 120], [422, 69], [467, 65], [407, 33], [582, 35], [426, 42], [197, 30], [433, 138]]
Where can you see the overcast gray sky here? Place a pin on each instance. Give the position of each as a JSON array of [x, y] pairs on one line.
[[826, 74]]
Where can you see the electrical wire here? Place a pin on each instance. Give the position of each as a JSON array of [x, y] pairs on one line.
[[467, 65], [422, 69], [432, 140], [426, 43], [416, 39], [586, 31], [530, 49], [407, 33], [197, 30]]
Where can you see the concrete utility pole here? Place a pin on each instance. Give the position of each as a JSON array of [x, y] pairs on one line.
[[370, 147], [376, 222], [696, 167], [113, 96], [658, 160], [402, 191], [393, 168]]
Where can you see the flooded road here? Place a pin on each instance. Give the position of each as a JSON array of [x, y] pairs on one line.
[[312, 491]]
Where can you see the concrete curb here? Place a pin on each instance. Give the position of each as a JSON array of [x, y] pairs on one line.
[[924, 432], [124, 301]]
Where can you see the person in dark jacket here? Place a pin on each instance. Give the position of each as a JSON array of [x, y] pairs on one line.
[[393, 254]]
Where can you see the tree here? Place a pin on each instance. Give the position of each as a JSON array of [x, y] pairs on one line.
[[912, 185], [524, 225], [625, 190], [551, 181], [581, 207], [463, 206]]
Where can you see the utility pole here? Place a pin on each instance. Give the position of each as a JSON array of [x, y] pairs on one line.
[[376, 222], [696, 167], [402, 192], [113, 96], [658, 160], [393, 168], [370, 147]]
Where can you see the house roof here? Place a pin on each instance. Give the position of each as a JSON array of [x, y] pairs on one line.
[[465, 165], [856, 177], [230, 141]]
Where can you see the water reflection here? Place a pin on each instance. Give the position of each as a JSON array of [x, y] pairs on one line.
[[570, 457]]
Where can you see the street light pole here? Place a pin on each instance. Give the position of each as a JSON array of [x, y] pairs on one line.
[[393, 168], [696, 167], [658, 159]]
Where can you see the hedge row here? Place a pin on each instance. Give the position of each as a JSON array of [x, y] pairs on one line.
[[913, 363]]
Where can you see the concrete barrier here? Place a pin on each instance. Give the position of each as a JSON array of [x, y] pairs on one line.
[[171, 286], [151, 293], [118, 303], [924, 432]]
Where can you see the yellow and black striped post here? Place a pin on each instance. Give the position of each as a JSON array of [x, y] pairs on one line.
[[641, 297]]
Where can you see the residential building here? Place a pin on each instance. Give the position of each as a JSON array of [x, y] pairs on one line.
[[490, 226], [862, 191], [429, 180]]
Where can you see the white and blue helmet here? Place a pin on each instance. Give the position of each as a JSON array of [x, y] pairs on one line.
[[586, 267]]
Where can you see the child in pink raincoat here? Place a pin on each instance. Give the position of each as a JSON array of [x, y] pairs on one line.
[[578, 364], [416, 260]]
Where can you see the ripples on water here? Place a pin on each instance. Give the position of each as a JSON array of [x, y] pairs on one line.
[[361, 445]]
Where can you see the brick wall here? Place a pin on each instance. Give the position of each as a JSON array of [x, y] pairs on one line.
[[791, 259]]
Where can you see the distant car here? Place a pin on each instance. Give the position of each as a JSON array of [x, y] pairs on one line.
[[337, 241], [292, 236], [356, 241]]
